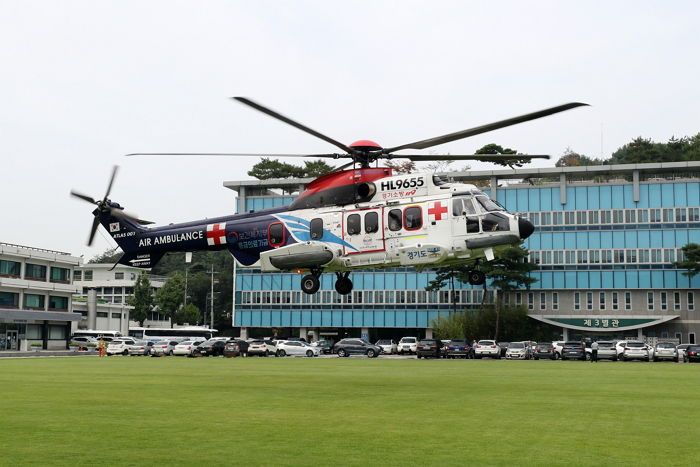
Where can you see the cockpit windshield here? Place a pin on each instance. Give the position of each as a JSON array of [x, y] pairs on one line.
[[488, 204]]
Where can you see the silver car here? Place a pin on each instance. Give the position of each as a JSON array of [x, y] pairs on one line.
[[163, 348], [607, 350], [517, 351], [635, 351], [665, 351], [388, 346]]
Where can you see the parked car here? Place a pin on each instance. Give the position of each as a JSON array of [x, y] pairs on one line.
[[607, 350], [262, 348], [517, 351], [429, 348], [163, 348], [557, 347], [120, 346], [573, 350], [487, 348], [544, 350], [459, 348], [325, 345], [209, 348], [693, 353], [142, 348], [665, 351], [635, 351], [232, 348], [347, 347], [407, 345], [285, 348], [682, 351], [503, 346], [388, 346], [83, 342], [186, 347], [620, 348]]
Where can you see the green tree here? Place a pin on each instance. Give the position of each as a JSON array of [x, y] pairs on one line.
[[142, 300], [109, 256], [316, 168], [188, 314], [170, 297], [273, 168], [511, 162], [691, 261], [570, 158]]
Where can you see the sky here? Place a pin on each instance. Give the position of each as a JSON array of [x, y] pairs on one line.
[[82, 83]]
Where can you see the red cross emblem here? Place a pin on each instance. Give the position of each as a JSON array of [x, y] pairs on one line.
[[216, 234], [437, 210]]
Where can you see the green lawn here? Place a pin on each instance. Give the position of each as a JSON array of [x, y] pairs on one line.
[[298, 411]]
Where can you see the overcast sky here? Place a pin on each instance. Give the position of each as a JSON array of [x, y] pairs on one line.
[[84, 82]]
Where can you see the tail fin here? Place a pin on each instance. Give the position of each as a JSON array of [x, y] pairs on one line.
[[127, 234]]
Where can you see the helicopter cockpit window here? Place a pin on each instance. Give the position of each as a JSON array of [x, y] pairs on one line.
[[413, 218], [371, 222], [316, 228], [354, 224], [494, 221], [462, 206], [489, 204], [395, 220]]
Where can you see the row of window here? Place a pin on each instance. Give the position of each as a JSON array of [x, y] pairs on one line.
[[662, 301], [33, 301], [112, 290], [464, 297], [33, 271], [87, 275], [608, 256], [614, 216]]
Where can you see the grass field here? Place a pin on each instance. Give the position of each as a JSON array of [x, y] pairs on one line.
[[298, 411]]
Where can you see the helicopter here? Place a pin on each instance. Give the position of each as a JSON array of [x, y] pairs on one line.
[[350, 219]]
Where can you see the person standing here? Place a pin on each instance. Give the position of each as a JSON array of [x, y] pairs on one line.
[[101, 346], [594, 351]]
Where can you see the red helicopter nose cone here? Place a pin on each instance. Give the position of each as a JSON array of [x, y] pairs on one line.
[[365, 144]]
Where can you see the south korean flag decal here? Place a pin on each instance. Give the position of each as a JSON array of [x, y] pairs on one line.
[[114, 227], [216, 234]]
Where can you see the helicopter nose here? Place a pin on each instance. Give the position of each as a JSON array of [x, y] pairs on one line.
[[526, 228]]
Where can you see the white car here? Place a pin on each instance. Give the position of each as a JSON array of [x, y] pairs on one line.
[[407, 344], [388, 346], [517, 351], [263, 348], [285, 348], [186, 347], [120, 346], [635, 350], [665, 351], [487, 348]]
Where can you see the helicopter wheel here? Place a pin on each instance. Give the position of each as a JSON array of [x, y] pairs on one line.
[[476, 277], [343, 285], [310, 284]]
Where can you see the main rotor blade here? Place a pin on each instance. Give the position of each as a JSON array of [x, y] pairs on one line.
[[111, 180], [93, 230], [289, 121], [467, 157], [427, 143], [242, 154], [87, 198], [116, 212]]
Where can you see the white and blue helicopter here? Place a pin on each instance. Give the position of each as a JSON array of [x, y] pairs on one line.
[[350, 219]]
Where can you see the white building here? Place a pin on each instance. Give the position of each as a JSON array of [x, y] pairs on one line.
[[35, 297]]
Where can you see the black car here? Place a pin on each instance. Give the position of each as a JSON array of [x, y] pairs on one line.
[[693, 353], [544, 350], [459, 348], [345, 347], [429, 348], [573, 350], [325, 345], [210, 348]]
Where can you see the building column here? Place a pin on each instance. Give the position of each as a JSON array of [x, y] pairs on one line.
[[92, 308], [243, 334], [314, 334], [303, 333], [428, 333], [565, 334]]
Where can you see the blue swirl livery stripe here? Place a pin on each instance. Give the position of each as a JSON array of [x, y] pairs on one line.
[[301, 229]]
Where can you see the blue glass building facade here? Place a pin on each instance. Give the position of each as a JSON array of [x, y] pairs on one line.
[[605, 243]]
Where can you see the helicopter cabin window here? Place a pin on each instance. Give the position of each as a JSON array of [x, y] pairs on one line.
[[413, 218], [354, 224], [395, 221], [316, 228], [488, 204], [371, 222], [462, 206], [275, 234]]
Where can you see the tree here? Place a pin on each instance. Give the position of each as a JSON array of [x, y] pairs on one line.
[[316, 168], [574, 159], [511, 162], [188, 314], [691, 261], [273, 168], [397, 167], [170, 297], [506, 273], [110, 256], [142, 300]]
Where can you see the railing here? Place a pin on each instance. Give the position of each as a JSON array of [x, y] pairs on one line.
[[36, 249]]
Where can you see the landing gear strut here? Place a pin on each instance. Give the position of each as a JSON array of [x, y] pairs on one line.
[[476, 277], [310, 283], [343, 285]]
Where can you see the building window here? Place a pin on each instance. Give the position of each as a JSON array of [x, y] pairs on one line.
[[116, 315], [530, 300], [655, 215], [694, 214], [354, 224], [518, 299], [650, 300], [691, 300], [669, 255], [389, 296], [555, 300], [9, 299], [60, 275], [77, 275], [557, 218], [607, 256], [87, 276], [656, 255], [594, 256], [546, 218], [676, 301], [618, 216], [619, 256], [34, 302], [57, 332], [664, 301], [681, 215], [643, 215], [9, 268], [643, 256], [395, 220], [581, 217], [570, 257], [102, 314], [582, 257], [543, 301], [58, 303], [601, 300], [615, 304], [118, 275], [691, 338], [35, 272], [630, 216], [628, 300], [413, 218], [668, 215], [577, 301], [589, 300]]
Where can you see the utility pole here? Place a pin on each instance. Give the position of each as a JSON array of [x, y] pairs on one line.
[[211, 307]]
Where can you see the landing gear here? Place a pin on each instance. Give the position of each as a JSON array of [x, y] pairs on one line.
[[476, 277], [310, 283], [343, 285]]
